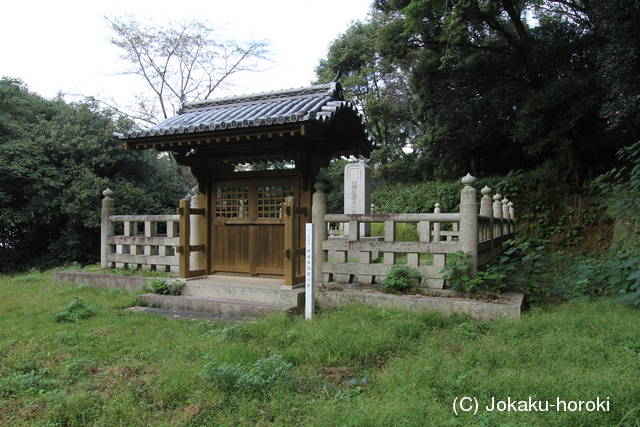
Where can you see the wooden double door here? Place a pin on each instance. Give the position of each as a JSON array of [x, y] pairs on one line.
[[248, 225]]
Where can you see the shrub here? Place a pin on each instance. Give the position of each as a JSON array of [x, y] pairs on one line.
[[458, 277], [74, 311], [613, 274], [619, 189], [163, 287], [401, 279], [257, 378]]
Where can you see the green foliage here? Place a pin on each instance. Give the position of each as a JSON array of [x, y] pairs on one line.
[[261, 376], [619, 60], [479, 86], [26, 383], [545, 276], [527, 269], [164, 287], [333, 178], [416, 197], [401, 279], [74, 311], [614, 273], [619, 189], [380, 88], [458, 277], [56, 159]]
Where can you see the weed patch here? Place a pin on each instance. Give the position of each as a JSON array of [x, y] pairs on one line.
[[75, 311], [27, 383], [261, 376], [164, 287]]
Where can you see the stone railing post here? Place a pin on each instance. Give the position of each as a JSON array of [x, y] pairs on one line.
[[318, 211], [106, 227], [436, 225], [486, 209], [469, 222], [497, 215], [505, 216], [485, 202], [512, 217]]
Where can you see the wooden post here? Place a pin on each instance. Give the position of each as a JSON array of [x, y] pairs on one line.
[[318, 211], [185, 236], [197, 261], [290, 231], [469, 222], [106, 227]]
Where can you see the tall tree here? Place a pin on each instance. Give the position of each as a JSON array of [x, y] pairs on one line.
[[55, 160], [180, 62], [499, 85], [379, 87]]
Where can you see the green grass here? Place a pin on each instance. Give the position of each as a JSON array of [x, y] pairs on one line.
[[95, 268], [351, 366]]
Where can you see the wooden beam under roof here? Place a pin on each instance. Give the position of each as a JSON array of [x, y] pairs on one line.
[[168, 142]]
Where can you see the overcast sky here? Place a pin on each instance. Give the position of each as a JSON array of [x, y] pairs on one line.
[[63, 46]]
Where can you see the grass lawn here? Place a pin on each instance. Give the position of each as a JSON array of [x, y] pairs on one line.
[[352, 366]]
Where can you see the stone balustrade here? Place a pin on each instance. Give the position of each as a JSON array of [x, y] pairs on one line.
[[478, 232], [138, 241]]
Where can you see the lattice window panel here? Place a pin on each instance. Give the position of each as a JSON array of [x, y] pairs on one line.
[[232, 202], [270, 199]]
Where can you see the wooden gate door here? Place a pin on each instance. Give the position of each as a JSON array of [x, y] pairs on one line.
[[248, 225]]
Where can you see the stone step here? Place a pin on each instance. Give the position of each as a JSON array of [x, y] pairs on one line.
[[190, 315], [218, 306], [244, 291]]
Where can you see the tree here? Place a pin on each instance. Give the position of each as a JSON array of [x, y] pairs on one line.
[[379, 88], [619, 61], [494, 85], [180, 62], [55, 161]]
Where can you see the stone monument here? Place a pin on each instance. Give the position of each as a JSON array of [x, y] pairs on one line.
[[357, 194]]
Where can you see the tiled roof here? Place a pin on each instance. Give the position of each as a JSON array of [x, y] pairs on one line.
[[319, 102]]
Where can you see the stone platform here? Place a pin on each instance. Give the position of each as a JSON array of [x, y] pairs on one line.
[[214, 297], [238, 298]]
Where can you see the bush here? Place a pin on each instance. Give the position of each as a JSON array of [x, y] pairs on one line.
[[76, 310], [162, 287], [613, 274], [259, 377], [401, 279], [619, 189], [458, 277]]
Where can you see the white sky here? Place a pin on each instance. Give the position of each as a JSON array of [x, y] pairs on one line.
[[63, 46]]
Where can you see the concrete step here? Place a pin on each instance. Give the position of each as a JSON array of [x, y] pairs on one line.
[[214, 306], [244, 290], [190, 315]]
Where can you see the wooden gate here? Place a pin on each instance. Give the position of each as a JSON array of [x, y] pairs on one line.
[[248, 225]]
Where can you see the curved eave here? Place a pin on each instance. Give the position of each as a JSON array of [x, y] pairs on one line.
[[335, 117]]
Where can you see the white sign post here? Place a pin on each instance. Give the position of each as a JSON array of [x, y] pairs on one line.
[[308, 283]]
